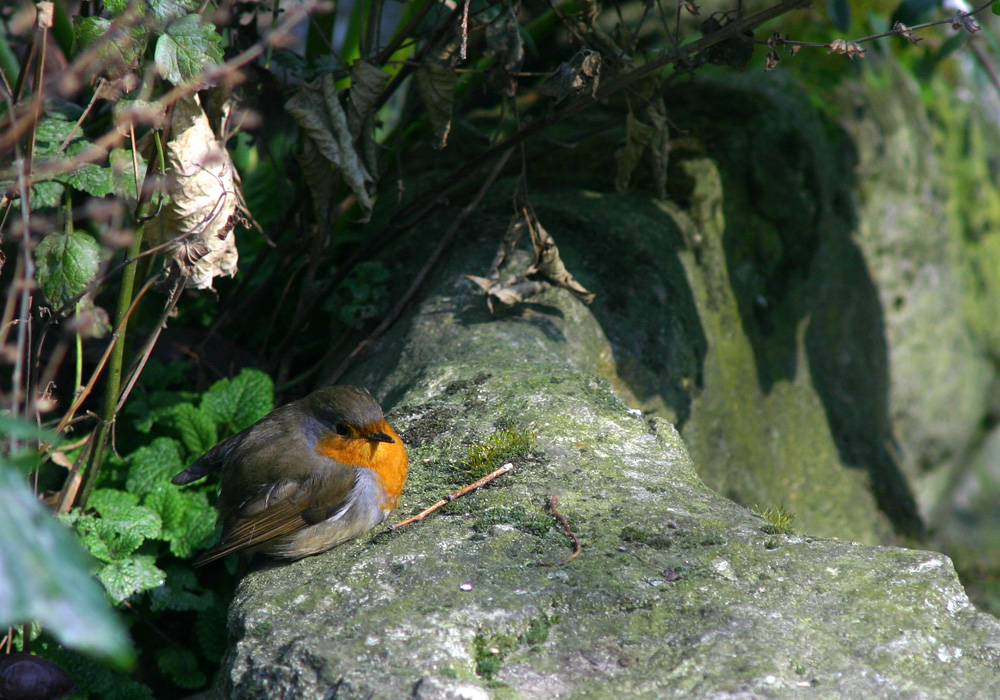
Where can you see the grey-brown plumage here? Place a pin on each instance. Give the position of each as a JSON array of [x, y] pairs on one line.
[[305, 478]]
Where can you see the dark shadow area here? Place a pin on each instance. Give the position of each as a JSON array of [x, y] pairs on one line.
[[788, 179]]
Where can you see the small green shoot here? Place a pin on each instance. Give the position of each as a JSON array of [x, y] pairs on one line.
[[779, 520], [507, 443]]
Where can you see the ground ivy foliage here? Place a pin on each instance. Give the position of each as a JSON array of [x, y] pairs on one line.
[[138, 526]]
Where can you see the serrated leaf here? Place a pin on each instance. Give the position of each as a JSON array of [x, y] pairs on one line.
[[51, 132], [87, 30], [170, 10], [121, 511], [88, 177], [187, 518], [117, 55], [106, 540], [181, 666], [188, 46], [66, 265], [239, 402], [124, 578], [44, 576], [153, 464], [196, 429], [167, 502]]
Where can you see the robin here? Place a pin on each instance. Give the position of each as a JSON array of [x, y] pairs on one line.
[[307, 477]]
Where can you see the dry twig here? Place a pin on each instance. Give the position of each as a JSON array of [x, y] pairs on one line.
[[577, 547], [451, 497]]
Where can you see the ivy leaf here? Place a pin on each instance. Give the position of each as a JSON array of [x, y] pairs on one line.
[[66, 265], [187, 47], [239, 402], [124, 578], [153, 464], [44, 576]]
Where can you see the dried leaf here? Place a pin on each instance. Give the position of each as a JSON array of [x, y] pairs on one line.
[[772, 61], [850, 48], [570, 78], [963, 20], [503, 40], [507, 245], [317, 109], [198, 218], [547, 263], [320, 178], [638, 137], [905, 31], [691, 7], [436, 83]]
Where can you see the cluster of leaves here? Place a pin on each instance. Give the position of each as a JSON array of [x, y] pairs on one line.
[[140, 527], [143, 82]]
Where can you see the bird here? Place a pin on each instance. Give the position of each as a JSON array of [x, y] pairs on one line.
[[307, 477]]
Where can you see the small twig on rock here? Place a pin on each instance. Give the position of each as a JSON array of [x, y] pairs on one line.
[[451, 497], [577, 547]]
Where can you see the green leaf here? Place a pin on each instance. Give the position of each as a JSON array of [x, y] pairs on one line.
[[115, 7], [66, 265], [52, 131], [123, 176], [188, 46], [88, 177], [170, 10], [995, 7], [239, 402], [87, 30], [182, 591], [124, 578], [93, 678], [187, 518], [181, 666], [196, 429], [44, 576], [121, 511], [117, 56], [153, 464]]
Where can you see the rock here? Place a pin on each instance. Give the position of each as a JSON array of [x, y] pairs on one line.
[[677, 592]]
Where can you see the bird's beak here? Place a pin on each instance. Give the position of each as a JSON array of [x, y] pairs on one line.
[[380, 437]]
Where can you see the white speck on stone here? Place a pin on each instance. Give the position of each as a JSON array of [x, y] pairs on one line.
[[465, 586], [832, 571], [371, 641], [635, 412], [723, 568], [946, 654], [929, 564], [957, 602]]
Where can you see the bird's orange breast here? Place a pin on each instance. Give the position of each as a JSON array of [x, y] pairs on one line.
[[387, 459]]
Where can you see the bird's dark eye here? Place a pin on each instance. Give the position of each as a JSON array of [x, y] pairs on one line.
[[342, 429]]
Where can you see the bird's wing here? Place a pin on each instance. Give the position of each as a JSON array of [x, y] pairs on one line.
[[283, 508]]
